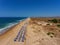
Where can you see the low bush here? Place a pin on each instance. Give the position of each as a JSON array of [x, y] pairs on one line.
[[58, 25], [53, 20], [51, 36], [49, 33], [48, 24]]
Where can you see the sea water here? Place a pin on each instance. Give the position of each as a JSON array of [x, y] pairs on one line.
[[7, 22]]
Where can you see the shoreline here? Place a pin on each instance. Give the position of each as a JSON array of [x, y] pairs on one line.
[[8, 28], [36, 33], [8, 37]]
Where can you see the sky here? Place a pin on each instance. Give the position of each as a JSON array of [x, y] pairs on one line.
[[29, 8]]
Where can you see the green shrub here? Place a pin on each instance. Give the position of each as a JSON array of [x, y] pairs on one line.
[[49, 33], [53, 20], [52, 33], [48, 24], [51, 36], [59, 21], [58, 25]]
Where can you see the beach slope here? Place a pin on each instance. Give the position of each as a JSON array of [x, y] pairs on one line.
[[8, 38]]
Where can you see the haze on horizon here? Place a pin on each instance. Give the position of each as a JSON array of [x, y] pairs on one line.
[[29, 8]]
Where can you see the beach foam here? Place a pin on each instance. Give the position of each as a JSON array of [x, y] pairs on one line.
[[3, 30]]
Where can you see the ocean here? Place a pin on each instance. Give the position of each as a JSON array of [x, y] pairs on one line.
[[7, 22]]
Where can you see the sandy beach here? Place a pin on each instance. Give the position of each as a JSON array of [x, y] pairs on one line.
[[8, 37], [31, 32]]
